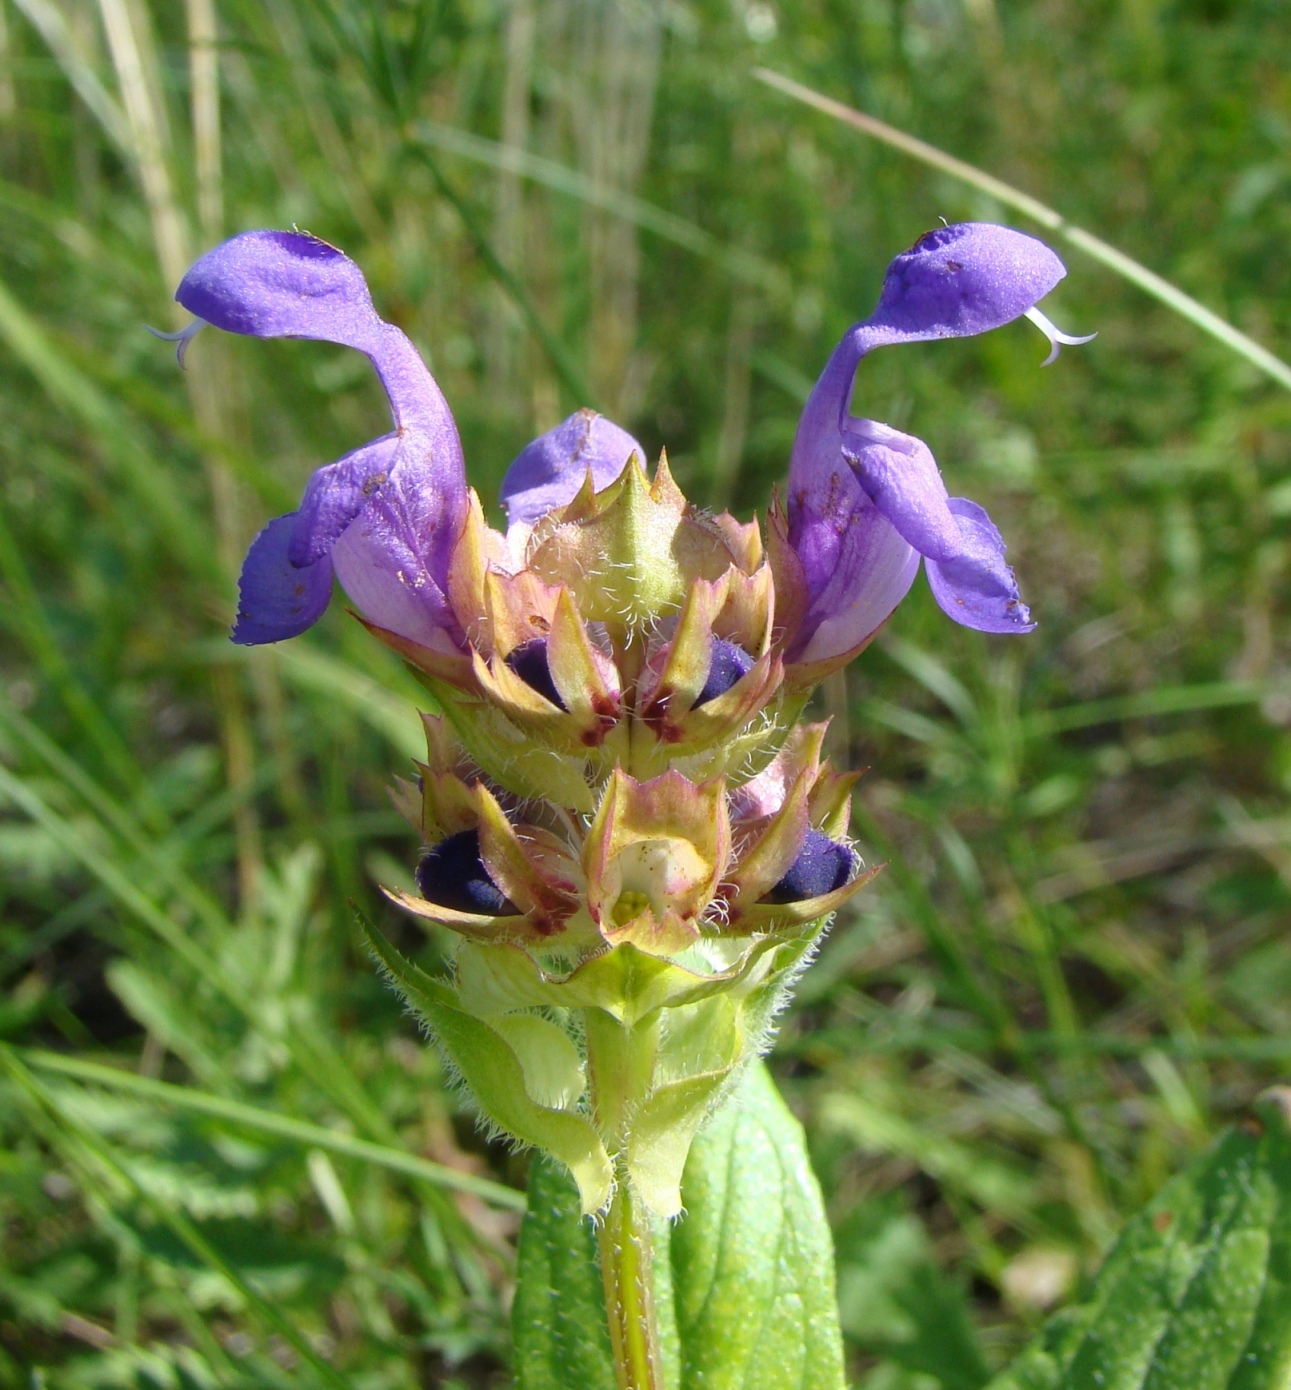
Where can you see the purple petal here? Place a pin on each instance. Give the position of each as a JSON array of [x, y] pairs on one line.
[[977, 588], [282, 285], [900, 475], [395, 555], [961, 280], [392, 559], [857, 564], [548, 472], [336, 494], [866, 500], [292, 285], [277, 599], [858, 567]]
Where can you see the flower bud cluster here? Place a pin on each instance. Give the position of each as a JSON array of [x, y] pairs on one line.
[[619, 812]]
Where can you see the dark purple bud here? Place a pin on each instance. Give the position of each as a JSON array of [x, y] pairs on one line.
[[529, 662], [729, 664], [452, 874], [822, 866]]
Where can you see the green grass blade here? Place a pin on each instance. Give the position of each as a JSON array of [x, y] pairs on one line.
[[267, 1122], [264, 1310], [507, 159], [70, 390], [1177, 699], [571, 378], [48, 21]]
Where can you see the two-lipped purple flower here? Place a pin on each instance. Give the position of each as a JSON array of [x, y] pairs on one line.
[[866, 503]]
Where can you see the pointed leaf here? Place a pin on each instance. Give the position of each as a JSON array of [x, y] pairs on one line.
[[750, 1266], [1197, 1291], [495, 1077], [752, 1262]]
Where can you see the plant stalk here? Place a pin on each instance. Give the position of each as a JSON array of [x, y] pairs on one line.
[[627, 1271], [620, 1062]]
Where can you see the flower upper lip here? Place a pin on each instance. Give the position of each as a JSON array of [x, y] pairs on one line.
[[384, 515]]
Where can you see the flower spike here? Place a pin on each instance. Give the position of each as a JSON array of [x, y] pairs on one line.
[[620, 811]]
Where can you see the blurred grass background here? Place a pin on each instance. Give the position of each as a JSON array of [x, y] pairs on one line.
[[1075, 970]]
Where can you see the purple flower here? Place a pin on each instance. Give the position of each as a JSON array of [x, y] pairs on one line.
[[866, 502], [385, 518]]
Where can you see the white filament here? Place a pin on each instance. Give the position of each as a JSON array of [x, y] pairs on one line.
[[1055, 335], [182, 338]]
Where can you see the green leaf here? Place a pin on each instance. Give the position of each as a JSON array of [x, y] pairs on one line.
[[895, 1302], [1196, 1294], [748, 1270], [752, 1262]]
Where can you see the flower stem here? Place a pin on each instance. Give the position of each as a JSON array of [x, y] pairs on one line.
[[621, 1062], [626, 1268]]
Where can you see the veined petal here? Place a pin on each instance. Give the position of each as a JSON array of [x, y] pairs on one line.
[[901, 478], [277, 599], [857, 565], [336, 494], [875, 570], [549, 472], [976, 587], [391, 558]]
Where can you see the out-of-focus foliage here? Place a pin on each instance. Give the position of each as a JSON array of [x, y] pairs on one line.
[[1076, 968]]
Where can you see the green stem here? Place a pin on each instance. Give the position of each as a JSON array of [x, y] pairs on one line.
[[620, 1063], [627, 1271]]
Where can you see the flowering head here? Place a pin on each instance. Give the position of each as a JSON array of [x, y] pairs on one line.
[[621, 815]]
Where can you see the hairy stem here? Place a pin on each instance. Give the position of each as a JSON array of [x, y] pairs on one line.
[[626, 1268], [621, 1060]]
